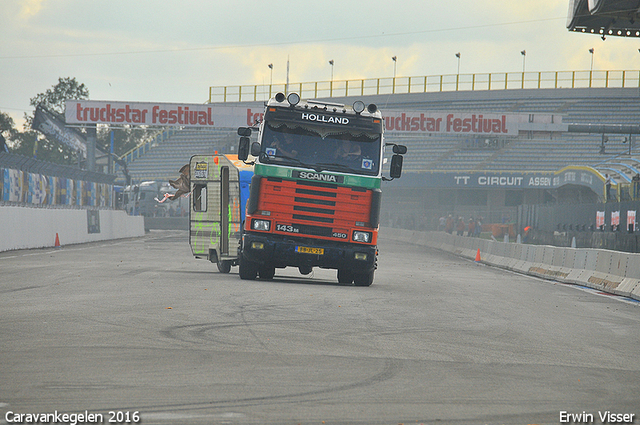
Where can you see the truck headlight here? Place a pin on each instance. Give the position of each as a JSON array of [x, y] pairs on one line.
[[359, 236], [360, 256], [263, 225]]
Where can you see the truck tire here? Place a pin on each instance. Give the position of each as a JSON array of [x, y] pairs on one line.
[[248, 270], [345, 277], [363, 279], [224, 266], [266, 272]]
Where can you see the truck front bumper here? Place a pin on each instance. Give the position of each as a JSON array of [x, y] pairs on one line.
[[279, 251]]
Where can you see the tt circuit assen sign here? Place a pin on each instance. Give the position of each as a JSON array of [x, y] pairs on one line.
[[571, 175], [88, 112]]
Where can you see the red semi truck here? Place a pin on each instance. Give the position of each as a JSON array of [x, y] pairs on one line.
[[315, 195]]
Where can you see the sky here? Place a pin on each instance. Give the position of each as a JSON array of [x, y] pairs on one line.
[[168, 51]]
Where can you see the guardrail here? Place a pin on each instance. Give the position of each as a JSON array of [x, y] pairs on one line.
[[430, 83], [610, 271]]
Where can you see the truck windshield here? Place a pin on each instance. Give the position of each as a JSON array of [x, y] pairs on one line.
[[321, 148]]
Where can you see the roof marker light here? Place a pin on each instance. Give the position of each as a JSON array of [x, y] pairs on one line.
[[293, 99]]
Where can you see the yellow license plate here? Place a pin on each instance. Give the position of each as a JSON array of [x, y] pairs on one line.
[[308, 250]]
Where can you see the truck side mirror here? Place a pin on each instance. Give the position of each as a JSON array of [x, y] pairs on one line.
[[244, 131], [396, 166], [399, 149], [243, 148], [255, 149]]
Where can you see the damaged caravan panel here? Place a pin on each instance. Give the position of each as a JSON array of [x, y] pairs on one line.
[[219, 192]]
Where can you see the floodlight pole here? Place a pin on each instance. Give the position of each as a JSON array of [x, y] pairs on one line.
[[458, 74], [91, 147], [395, 62], [591, 50]]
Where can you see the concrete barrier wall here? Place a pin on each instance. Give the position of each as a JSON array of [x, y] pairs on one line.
[[24, 227], [610, 271]]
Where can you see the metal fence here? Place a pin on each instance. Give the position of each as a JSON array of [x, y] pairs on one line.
[[430, 83], [26, 181], [35, 166], [573, 217]]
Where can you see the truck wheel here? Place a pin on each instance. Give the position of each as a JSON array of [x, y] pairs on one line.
[[224, 266], [345, 277], [363, 279], [248, 270], [267, 272]]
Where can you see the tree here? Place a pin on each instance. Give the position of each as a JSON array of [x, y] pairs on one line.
[[54, 100], [24, 143], [7, 129], [66, 89], [6, 123], [32, 143]]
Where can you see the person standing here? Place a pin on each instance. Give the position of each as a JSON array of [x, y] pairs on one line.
[[460, 227], [472, 227], [449, 226], [478, 228], [636, 186]]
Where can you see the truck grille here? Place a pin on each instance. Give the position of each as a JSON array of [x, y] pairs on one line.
[[315, 208]]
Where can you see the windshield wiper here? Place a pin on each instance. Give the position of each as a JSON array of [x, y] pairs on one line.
[[264, 156], [340, 167]]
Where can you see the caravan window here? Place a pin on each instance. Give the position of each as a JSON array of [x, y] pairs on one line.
[[200, 197]]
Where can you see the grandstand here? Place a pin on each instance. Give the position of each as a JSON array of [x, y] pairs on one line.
[[530, 151], [167, 154]]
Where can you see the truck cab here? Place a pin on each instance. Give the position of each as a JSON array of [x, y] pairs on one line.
[[315, 194]]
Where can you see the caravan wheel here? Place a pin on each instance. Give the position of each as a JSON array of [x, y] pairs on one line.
[[224, 266]]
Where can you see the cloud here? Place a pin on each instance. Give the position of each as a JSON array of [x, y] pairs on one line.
[[30, 8], [520, 10]]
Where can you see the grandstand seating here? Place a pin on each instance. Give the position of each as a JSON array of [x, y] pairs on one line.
[[163, 160]]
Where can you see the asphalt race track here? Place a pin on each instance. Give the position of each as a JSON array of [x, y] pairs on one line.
[[139, 325]]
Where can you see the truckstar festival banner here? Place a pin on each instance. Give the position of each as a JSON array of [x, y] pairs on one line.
[[79, 112], [437, 122], [87, 112], [451, 123]]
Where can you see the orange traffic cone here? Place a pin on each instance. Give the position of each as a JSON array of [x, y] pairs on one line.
[[57, 244], [478, 256]]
